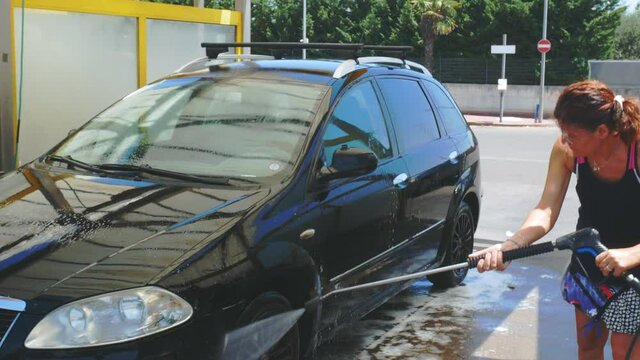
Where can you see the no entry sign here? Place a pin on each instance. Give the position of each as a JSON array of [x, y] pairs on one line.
[[544, 46]]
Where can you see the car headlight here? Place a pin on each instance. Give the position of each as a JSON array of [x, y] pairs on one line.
[[110, 318]]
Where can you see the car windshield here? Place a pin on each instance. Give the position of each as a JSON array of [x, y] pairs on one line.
[[249, 126]]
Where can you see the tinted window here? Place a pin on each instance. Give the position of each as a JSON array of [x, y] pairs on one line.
[[357, 122], [410, 111], [453, 121]]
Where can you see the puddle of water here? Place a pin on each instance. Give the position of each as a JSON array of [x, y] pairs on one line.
[[426, 323]]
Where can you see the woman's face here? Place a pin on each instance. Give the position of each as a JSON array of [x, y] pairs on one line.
[[581, 141]]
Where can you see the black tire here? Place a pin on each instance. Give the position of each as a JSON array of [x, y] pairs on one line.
[[460, 245], [267, 305]]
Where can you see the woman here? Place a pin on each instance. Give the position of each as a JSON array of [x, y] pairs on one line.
[[598, 143]]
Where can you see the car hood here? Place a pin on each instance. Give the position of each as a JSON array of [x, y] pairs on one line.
[[65, 236]]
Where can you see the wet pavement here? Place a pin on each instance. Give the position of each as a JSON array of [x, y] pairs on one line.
[[517, 314]]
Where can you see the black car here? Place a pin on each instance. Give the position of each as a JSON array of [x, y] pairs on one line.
[[230, 192]]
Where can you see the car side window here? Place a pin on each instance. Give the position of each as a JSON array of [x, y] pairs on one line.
[[453, 120], [357, 122], [411, 112]]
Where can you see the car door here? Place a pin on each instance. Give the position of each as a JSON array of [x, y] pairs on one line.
[[360, 213], [433, 166]]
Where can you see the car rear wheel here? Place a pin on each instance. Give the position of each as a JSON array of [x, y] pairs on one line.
[[460, 246], [264, 306]]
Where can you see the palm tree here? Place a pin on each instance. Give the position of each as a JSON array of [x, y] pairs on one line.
[[437, 17]]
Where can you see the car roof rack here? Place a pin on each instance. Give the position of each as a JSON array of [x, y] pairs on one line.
[[280, 48], [220, 51]]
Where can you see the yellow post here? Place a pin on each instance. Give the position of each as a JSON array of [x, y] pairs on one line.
[[14, 92], [142, 51]]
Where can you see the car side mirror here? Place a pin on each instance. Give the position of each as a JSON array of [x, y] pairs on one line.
[[349, 162]]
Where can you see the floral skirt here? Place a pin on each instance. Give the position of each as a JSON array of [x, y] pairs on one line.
[[618, 306]]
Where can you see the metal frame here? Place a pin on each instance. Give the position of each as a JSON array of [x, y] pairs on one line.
[[141, 10]]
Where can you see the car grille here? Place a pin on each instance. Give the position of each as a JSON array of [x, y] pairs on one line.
[[6, 320]]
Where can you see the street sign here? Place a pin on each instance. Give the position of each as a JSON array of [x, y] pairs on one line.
[[502, 84], [544, 46], [503, 49]]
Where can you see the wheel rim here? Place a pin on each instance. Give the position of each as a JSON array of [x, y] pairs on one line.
[[462, 241]]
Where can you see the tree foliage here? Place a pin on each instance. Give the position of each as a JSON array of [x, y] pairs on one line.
[[578, 29], [628, 36], [437, 17]]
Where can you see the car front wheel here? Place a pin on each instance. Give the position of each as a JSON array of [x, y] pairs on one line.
[[460, 245]]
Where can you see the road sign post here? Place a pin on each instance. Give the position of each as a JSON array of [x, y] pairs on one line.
[[503, 49], [544, 46]]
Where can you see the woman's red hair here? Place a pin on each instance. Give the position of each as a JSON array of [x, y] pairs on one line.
[[588, 104]]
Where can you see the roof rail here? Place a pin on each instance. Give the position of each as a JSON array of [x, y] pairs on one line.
[[418, 67], [343, 69], [411, 65], [222, 58], [193, 65], [350, 65]]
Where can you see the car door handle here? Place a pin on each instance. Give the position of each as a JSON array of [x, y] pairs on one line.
[[453, 157], [400, 180], [307, 234]]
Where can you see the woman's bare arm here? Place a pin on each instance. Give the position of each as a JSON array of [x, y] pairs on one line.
[[543, 216]]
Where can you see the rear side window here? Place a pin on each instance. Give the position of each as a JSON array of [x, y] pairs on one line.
[[453, 121], [411, 112], [357, 122]]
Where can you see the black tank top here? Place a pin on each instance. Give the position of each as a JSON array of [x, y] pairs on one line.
[[610, 207]]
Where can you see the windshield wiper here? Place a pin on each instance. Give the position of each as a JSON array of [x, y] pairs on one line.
[[144, 168], [73, 163]]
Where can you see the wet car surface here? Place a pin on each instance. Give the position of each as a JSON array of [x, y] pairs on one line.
[[219, 197]]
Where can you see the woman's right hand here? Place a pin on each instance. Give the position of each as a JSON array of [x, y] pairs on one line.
[[493, 257]]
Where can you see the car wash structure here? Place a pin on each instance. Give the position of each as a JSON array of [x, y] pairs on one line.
[[60, 60]]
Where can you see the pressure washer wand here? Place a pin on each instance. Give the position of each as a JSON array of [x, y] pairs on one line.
[[585, 241], [509, 255]]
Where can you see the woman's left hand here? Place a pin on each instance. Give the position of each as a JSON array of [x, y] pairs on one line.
[[617, 261]]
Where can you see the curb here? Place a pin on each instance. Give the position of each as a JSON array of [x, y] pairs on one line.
[[506, 124], [509, 121]]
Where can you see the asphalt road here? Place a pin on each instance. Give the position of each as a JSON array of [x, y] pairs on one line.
[[516, 314]]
